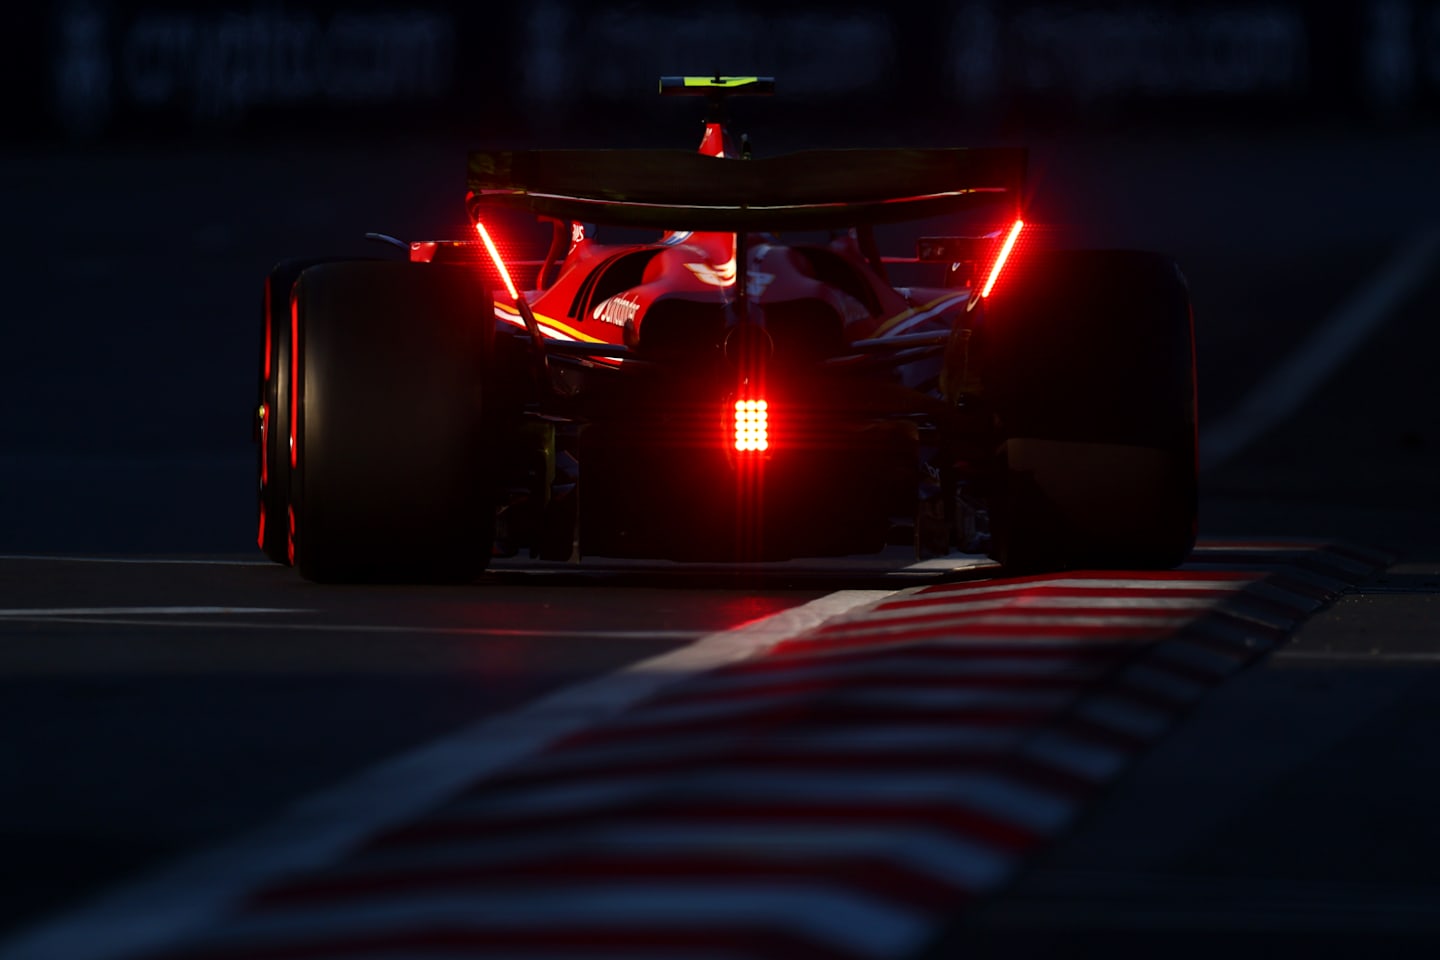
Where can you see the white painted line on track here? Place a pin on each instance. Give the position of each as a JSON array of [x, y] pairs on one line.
[[889, 563], [1277, 398], [68, 613], [140, 561], [158, 910], [1297, 545], [952, 564], [355, 628]]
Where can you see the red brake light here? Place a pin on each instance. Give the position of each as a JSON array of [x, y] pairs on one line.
[[1005, 249], [752, 425], [499, 264]]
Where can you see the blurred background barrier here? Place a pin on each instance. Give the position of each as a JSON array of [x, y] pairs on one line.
[[92, 70]]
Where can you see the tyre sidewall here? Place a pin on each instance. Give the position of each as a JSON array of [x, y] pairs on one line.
[[1088, 362], [393, 479]]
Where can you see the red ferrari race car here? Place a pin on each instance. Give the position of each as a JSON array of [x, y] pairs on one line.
[[717, 359]]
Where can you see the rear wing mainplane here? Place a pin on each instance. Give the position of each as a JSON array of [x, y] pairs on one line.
[[806, 190]]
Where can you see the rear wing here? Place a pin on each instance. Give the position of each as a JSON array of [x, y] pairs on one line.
[[808, 190]]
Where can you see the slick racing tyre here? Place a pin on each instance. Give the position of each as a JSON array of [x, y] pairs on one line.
[[392, 479], [273, 424], [1088, 359]]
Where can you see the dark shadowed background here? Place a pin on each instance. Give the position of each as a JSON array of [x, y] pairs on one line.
[[158, 156]]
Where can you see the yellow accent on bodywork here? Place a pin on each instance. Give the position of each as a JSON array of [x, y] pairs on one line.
[[907, 314], [720, 82], [552, 323]]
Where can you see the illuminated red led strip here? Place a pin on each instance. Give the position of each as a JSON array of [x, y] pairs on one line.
[[1005, 249], [495, 256]]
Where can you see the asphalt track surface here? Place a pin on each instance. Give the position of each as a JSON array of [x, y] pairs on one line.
[[153, 711]]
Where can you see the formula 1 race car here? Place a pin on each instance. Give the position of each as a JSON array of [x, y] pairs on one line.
[[714, 359]]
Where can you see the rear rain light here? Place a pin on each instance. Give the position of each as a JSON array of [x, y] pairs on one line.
[[1005, 249], [752, 425]]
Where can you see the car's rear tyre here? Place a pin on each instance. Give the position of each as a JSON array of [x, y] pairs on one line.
[[273, 423], [1088, 358], [393, 479]]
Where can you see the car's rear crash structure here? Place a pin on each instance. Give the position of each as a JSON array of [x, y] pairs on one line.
[[714, 360]]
